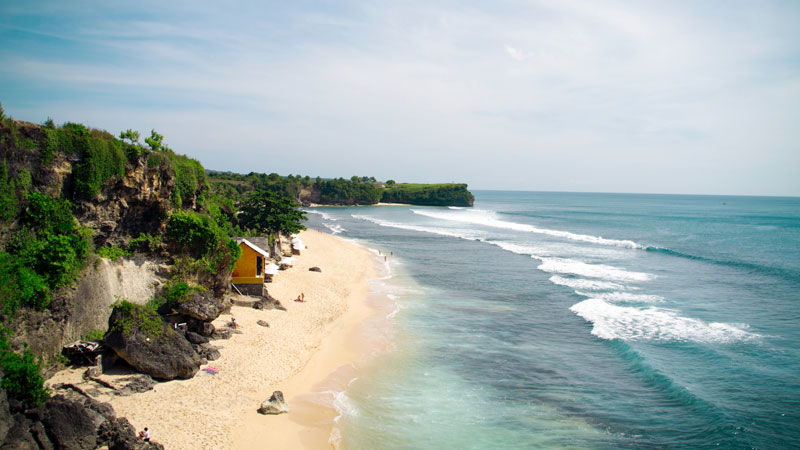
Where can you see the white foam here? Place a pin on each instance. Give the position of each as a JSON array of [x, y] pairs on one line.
[[625, 297], [325, 216], [470, 235], [520, 249], [487, 218], [335, 228], [644, 324], [591, 285], [571, 266]]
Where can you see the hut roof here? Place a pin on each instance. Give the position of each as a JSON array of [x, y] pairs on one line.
[[253, 246]]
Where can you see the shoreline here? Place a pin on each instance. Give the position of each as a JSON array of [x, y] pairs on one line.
[[306, 348]]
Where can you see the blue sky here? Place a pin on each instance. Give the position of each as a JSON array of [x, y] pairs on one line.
[[569, 95]]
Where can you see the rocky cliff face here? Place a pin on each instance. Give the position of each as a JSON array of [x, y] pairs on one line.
[[125, 206], [87, 307], [136, 203]]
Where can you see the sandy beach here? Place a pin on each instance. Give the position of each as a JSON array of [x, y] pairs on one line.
[[303, 347]]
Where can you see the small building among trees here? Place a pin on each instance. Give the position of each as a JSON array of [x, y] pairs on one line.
[[248, 273]]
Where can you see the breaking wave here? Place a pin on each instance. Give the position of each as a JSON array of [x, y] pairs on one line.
[[571, 266], [487, 219], [636, 324]]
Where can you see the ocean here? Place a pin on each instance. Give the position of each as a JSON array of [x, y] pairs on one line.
[[582, 321]]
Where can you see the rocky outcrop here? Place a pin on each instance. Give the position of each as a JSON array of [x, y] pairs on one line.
[[158, 351], [201, 306], [119, 434], [275, 404], [268, 302], [136, 203], [68, 423]]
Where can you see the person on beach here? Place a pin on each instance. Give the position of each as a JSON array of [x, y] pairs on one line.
[[144, 435], [233, 323], [301, 297]]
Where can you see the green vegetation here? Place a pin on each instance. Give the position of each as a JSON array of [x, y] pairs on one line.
[[22, 378], [268, 212], [112, 253], [130, 315], [144, 243], [197, 236], [429, 194], [46, 253], [354, 191], [100, 160], [190, 179], [174, 293], [94, 335]]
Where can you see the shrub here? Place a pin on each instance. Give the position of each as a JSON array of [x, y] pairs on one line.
[[22, 378], [190, 178], [8, 195], [94, 335], [49, 215], [75, 129], [154, 159], [112, 253], [100, 160], [48, 252], [146, 243], [27, 143], [142, 317], [194, 233]]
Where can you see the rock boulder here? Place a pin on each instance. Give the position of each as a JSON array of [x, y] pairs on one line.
[[201, 306], [70, 425], [149, 345], [274, 405]]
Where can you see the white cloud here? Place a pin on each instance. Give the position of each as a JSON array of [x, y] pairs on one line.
[[516, 54]]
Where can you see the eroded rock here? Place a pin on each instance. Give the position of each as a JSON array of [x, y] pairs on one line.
[[275, 404]]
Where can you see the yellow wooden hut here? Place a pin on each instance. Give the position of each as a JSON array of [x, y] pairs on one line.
[[248, 273]]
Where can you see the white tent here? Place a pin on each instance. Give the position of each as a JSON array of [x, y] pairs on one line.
[[271, 269], [297, 244], [287, 261]]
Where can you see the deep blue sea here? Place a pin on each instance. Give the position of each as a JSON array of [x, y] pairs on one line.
[[569, 320]]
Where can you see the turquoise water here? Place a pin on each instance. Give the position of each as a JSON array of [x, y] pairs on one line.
[[564, 320]]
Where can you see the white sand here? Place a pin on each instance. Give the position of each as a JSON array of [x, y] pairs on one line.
[[301, 348]]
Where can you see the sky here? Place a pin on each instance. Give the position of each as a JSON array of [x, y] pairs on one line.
[[687, 97]]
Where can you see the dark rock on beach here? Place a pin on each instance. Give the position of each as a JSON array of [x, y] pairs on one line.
[[208, 351], [263, 323], [69, 425], [201, 306], [315, 269], [274, 405], [164, 354], [221, 334], [268, 302], [195, 338], [119, 434]]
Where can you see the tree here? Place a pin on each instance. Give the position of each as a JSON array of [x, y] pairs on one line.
[[267, 212], [130, 135], [390, 183], [154, 141]]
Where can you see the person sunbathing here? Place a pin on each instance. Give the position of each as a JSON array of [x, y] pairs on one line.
[[301, 298]]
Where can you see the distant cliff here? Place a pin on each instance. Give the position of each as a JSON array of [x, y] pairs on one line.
[[340, 191]]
